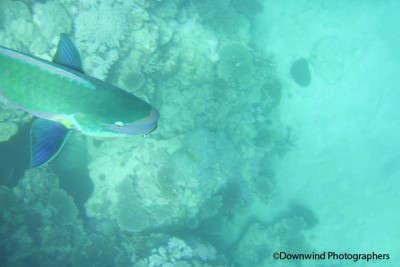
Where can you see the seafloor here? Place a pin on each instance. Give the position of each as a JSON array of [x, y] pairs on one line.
[[279, 131]]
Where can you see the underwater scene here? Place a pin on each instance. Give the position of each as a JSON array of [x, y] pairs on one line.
[[199, 133]]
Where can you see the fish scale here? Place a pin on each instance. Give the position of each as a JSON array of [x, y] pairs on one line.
[[35, 88]]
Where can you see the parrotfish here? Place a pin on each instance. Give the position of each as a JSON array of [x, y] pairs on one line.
[[62, 97]]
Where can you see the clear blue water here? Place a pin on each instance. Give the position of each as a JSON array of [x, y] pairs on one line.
[[278, 136]]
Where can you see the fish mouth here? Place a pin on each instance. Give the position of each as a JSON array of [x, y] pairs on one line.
[[154, 116], [152, 130], [143, 126]]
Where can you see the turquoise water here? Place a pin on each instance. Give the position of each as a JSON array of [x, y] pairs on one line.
[[278, 134]]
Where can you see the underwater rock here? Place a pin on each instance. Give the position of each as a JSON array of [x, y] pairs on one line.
[[130, 214], [272, 93], [178, 100], [19, 29], [65, 211], [7, 130], [40, 223], [197, 48], [157, 183], [14, 157], [221, 16], [146, 39], [166, 9], [102, 48], [300, 72], [144, 61], [7, 198], [130, 76], [249, 8], [57, 14], [99, 66], [285, 231], [112, 19], [134, 164], [70, 166], [256, 246], [10, 10], [162, 66], [236, 64], [180, 253], [100, 251]]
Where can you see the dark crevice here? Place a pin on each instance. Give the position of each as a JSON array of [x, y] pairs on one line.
[[14, 157]]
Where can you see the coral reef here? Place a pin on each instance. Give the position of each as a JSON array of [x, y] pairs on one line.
[[102, 26], [99, 32], [161, 200], [57, 14], [167, 187], [236, 64], [18, 29], [30, 215], [9, 120], [222, 17], [249, 8], [25, 27], [40, 222], [285, 232], [178, 253], [7, 130]]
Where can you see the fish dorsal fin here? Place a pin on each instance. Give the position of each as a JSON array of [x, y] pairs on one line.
[[67, 54], [47, 139]]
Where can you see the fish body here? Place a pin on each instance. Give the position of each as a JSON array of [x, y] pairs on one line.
[[55, 92], [62, 93]]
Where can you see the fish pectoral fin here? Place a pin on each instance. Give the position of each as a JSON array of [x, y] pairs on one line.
[[67, 54], [47, 139]]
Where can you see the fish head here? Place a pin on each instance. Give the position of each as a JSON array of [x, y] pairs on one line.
[[116, 113], [143, 126]]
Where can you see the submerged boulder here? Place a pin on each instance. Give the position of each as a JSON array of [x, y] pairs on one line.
[[300, 72], [236, 64], [250, 8], [7, 130]]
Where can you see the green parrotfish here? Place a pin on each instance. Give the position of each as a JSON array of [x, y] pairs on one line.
[[61, 97]]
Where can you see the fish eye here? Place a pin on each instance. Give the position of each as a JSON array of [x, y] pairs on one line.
[[119, 124]]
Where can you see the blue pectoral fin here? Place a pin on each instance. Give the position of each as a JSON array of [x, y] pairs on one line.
[[47, 139], [67, 54]]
